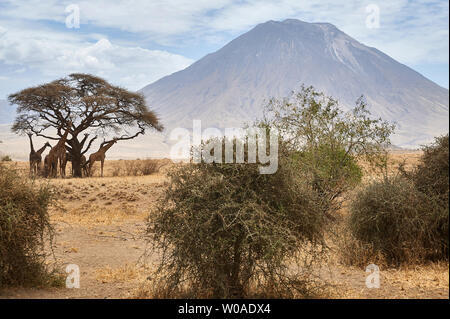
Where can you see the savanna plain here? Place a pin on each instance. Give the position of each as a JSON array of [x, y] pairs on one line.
[[100, 225]]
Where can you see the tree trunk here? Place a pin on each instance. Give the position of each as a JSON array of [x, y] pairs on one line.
[[76, 165], [76, 157]]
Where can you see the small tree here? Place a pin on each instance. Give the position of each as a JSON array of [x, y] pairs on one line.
[[327, 142], [91, 103]]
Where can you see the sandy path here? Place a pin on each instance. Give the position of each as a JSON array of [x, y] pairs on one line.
[[102, 253]]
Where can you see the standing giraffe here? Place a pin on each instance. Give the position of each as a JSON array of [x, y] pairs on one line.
[[82, 162], [58, 153], [100, 156], [36, 156], [67, 158], [46, 166], [84, 165]]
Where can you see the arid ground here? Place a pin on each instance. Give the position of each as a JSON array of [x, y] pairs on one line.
[[100, 226]]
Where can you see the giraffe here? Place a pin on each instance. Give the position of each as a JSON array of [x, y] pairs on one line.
[[100, 155], [46, 166], [58, 153], [83, 163], [36, 156], [67, 158]]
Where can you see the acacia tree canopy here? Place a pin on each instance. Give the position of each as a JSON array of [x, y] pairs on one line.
[[91, 104]]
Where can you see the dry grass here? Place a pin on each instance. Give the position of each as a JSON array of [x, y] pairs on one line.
[[125, 273], [424, 281], [433, 275], [114, 168], [107, 201], [409, 158], [97, 216]]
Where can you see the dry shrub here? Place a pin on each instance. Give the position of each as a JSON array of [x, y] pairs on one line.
[[131, 168], [225, 230], [403, 219], [116, 170], [24, 230], [392, 220], [432, 174], [355, 252], [149, 167], [136, 168], [432, 178]]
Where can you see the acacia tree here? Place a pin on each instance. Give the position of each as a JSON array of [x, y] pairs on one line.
[[93, 106]]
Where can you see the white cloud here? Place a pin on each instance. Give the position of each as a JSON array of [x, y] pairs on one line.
[[411, 31], [55, 54], [168, 17]]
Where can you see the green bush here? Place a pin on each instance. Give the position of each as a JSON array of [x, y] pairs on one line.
[[24, 230], [395, 219], [330, 169], [327, 142], [227, 231], [6, 158]]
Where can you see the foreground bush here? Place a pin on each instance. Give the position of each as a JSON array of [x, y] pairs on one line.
[[24, 230], [227, 231], [394, 219]]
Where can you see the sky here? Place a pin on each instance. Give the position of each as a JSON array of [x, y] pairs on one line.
[[134, 43]]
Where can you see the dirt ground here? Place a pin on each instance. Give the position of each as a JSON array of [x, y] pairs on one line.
[[102, 225]]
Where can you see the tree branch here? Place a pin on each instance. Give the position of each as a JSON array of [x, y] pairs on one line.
[[89, 145]]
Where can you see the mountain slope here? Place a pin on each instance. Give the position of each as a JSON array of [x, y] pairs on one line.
[[229, 87]]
